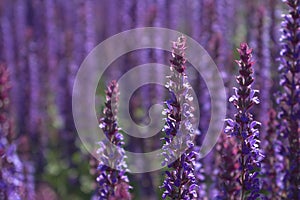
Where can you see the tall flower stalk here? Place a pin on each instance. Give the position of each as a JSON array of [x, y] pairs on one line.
[[269, 164], [289, 98], [11, 176], [227, 169], [113, 183], [178, 151], [245, 128]]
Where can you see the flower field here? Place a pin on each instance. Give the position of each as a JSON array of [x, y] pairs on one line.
[[211, 110]]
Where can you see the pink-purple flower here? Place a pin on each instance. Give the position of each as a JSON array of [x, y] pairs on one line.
[[178, 151], [112, 180], [244, 128]]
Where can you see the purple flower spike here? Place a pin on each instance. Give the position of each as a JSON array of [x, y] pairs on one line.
[[11, 173], [289, 97], [179, 154], [227, 169], [273, 166], [113, 183], [244, 128]]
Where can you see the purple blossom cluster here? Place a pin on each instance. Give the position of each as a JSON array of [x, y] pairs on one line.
[[11, 176], [244, 128], [289, 97], [178, 150], [270, 165], [113, 183], [228, 170]]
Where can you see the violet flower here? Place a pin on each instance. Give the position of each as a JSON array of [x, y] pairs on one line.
[[228, 169], [112, 181], [244, 128], [270, 167], [180, 181], [11, 176], [289, 98]]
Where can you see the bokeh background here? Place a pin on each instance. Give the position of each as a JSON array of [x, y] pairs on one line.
[[43, 42]]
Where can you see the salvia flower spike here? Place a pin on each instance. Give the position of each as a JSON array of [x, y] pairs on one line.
[[112, 181], [11, 176], [244, 128], [178, 151], [269, 165], [228, 169], [289, 98]]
